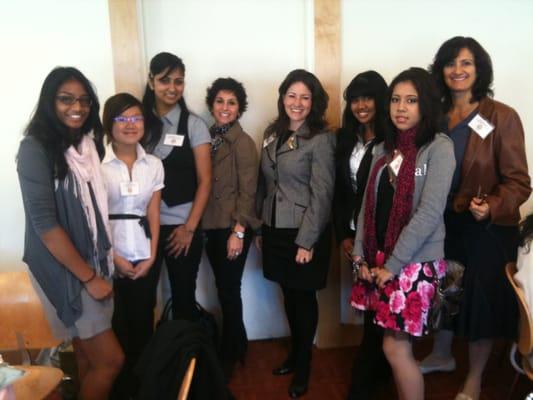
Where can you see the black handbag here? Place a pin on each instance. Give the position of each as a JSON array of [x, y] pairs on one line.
[[448, 297], [202, 317]]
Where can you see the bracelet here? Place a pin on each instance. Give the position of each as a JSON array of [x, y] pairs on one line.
[[90, 279]]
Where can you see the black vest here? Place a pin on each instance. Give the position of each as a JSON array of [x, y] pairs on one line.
[[180, 169]]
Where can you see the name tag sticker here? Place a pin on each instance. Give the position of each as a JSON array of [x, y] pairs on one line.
[[174, 140], [268, 140], [129, 188], [481, 126], [395, 164]]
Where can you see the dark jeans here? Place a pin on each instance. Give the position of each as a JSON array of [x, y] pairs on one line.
[[301, 307], [370, 367], [182, 273], [228, 277], [133, 324]]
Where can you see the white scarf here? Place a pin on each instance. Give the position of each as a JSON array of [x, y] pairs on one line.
[[85, 166]]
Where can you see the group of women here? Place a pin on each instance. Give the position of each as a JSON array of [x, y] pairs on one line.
[[102, 218]]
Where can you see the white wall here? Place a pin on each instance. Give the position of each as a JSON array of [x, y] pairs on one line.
[[257, 43], [35, 37]]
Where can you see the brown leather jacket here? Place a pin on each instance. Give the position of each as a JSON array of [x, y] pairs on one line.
[[235, 169], [497, 164]]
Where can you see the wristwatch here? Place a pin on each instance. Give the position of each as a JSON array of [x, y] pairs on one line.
[[240, 235]]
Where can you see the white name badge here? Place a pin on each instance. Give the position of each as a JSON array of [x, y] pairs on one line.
[[396, 163], [481, 126], [129, 188], [174, 140], [268, 140]]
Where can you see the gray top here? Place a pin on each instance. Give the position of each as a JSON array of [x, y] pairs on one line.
[[198, 134], [422, 239], [49, 203], [299, 177]]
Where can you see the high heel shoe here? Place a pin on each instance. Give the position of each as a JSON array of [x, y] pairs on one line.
[[284, 369], [299, 384]]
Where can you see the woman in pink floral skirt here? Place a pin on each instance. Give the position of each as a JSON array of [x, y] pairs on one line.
[[399, 245]]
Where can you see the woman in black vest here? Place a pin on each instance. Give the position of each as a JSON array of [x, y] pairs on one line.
[[363, 125], [182, 141]]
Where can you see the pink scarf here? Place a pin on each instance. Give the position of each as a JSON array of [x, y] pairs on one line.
[[402, 201]]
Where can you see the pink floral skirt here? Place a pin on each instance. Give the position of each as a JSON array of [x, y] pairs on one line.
[[403, 304]]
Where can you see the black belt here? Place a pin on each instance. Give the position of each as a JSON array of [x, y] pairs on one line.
[[143, 221]]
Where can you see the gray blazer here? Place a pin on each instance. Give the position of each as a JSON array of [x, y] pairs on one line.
[[422, 239], [300, 178]]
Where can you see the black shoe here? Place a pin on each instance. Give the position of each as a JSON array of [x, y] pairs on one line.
[[284, 369], [299, 384]]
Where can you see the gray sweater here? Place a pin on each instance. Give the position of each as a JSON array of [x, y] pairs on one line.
[[422, 239]]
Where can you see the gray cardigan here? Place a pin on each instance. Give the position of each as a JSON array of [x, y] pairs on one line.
[[422, 239]]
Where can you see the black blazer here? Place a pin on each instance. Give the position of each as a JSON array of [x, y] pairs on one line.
[[346, 202]]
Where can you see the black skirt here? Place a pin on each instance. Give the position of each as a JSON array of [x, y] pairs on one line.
[[489, 309], [279, 265]]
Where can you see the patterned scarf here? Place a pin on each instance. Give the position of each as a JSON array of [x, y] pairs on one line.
[[217, 135], [402, 201]]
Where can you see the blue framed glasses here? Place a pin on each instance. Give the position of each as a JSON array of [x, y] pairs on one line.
[[133, 119]]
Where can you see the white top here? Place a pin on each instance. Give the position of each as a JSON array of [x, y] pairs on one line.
[[356, 157], [198, 134], [128, 237]]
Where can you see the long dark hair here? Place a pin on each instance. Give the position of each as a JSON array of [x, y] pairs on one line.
[[526, 232], [316, 120], [48, 129], [153, 126], [366, 84], [447, 52], [428, 103], [116, 105]]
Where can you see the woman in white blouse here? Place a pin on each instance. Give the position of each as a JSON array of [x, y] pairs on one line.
[[133, 181]]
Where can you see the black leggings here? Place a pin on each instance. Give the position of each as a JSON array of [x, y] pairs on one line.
[[301, 307]]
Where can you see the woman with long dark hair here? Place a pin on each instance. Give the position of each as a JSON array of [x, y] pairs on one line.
[[298, 172], [67, 242], [399, 246], [489, 184], [364, 122], [182, 141]]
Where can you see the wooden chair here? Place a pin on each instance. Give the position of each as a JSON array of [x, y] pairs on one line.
[[23, 325], [525, 338], [187, 379]]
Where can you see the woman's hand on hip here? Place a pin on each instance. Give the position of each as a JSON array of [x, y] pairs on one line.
[[303, 256], [98, 288], [234, 247], [179, 241]]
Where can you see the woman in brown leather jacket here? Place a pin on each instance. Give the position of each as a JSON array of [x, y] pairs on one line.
[[490, 183], [230, 218]]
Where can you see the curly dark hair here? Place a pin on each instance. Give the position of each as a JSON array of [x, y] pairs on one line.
[[48, 129], [447, 52], [116, 105], [230, 85], [316, 120], [428, 103], [161, 62], [366, 84]]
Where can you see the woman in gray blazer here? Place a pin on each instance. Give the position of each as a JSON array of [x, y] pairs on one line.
[[298, 175]]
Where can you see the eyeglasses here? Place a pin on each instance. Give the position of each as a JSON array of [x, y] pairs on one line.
[[85, 101], [133, 119]]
